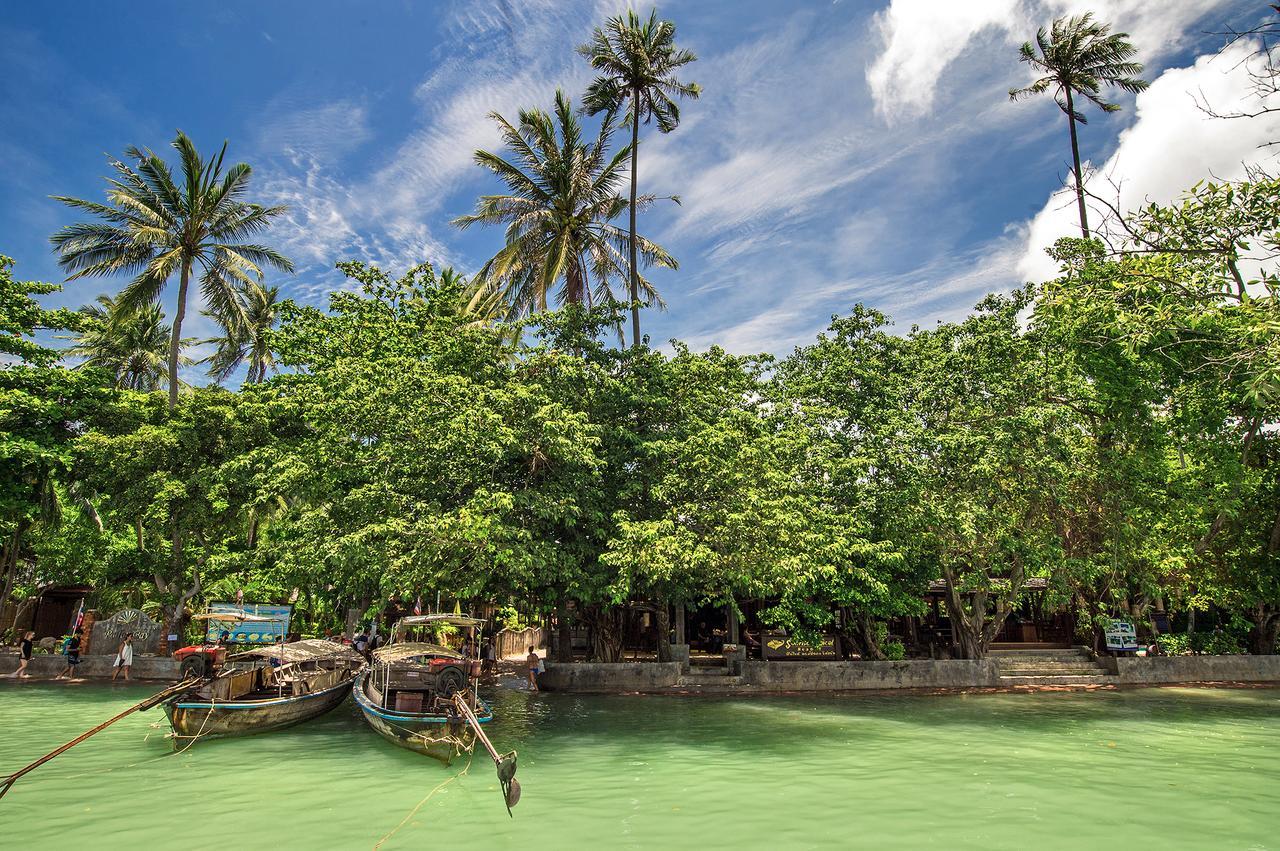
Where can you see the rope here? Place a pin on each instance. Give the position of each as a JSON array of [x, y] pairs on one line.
[[420, 805], [199, 732]]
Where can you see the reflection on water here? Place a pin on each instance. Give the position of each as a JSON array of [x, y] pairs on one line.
[[1168, 768]]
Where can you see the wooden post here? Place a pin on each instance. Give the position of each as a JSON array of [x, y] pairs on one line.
[[680, 625], [732, 614]]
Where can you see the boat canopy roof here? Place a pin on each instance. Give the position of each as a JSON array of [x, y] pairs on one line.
[[455, 620], [301, 651], [409, 649]]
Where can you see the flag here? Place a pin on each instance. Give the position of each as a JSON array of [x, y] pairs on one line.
[[417, 605]]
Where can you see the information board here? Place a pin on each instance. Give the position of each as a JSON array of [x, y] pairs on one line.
[[776, 646], [251, 632], [1121, 636]]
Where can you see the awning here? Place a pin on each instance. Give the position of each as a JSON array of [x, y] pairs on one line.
[[454, 620], [409, 649], [301, 651]]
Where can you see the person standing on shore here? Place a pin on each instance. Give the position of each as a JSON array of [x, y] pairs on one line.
[[124, 658], [72, 652], [25, 658], [535, 668], [489, 656]]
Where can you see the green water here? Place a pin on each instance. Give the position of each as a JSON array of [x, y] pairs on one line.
[[1163, 768]]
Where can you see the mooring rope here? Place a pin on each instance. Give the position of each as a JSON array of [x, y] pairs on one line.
[[413, 812], [199, 732]]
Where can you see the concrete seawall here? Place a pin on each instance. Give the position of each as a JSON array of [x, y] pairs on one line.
[[46, 666], [858, 676], [764, 677], [589, 677], [1198, 669]]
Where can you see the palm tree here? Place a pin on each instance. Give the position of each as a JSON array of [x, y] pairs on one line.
[[133, 348], [251, 340], [1077, 57], [153, 227], [637, 61], [558, 217]]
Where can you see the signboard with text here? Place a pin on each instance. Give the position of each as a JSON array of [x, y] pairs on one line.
[[250, 632], [778, 646], [1121, 636]]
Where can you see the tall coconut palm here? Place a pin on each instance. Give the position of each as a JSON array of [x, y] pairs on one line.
[[251, 340], [1077, 57], [559, 216], [133, 348], [637, 61], [154, 227]]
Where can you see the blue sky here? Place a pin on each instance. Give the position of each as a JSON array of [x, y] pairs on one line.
[[843, 151]]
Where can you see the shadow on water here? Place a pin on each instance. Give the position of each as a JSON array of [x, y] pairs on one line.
[[1194, 767]]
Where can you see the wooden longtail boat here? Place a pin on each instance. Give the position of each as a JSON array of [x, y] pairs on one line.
[[265, 689], [407, 693]]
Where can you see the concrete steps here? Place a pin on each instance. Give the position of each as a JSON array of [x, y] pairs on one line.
[[1074, 666], [1052, 680]]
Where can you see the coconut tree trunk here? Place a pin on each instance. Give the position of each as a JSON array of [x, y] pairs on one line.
[[1075, 159], [175, 340], [635, 272]]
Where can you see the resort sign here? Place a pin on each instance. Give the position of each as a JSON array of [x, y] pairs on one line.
[[1121, 636], [255, 631], [778, 646]]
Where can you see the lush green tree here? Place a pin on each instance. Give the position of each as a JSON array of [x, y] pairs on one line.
[[637, 61], [559, 216], [43, 407], [133, 348], [251, 341], [153, 227], [1076, 57]]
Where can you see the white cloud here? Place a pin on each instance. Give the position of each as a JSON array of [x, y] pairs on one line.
[[922, 39], [321, 132], [1171, 145]]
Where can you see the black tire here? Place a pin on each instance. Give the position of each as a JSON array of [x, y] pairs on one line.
[[194, 667], [450, 681]]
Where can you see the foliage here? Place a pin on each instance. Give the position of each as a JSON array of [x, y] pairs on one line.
[[1077, 56], [637, 63], [559, 215], [251, 341], [153, 227], [132, 347]]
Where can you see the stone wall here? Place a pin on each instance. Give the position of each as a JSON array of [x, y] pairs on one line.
[[609, 677], [1198, 669], [858, 676], [48, 665]]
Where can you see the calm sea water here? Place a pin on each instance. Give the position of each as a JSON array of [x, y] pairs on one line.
[[1159, 768]]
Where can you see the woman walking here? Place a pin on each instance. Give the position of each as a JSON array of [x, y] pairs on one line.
[[25, 658], [124, 658]]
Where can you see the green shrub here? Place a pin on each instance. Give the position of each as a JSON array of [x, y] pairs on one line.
[[894, 650], [1175, 643]]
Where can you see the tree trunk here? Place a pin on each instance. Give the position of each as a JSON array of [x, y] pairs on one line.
[[867, 634], [9, 563], [1075, 159], [663, 622], [175, 339], [635, 272], [564, 635], [1262, 638]]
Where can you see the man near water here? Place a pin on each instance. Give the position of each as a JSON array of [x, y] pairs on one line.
[[73, 656]]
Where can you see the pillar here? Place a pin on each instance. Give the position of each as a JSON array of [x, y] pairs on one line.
[[680, 636]]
